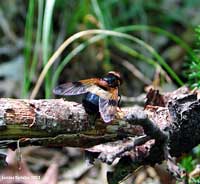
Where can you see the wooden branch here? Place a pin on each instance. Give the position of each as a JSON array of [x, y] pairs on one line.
[[52, 122], [56, 122], [167, 126]]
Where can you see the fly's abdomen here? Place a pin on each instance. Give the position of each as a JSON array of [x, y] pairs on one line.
[[91, 103]]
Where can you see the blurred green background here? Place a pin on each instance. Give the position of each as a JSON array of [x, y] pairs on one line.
[[159, 46], [31, 31]]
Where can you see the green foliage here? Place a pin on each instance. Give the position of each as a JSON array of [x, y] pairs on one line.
[[194, 67], [189, 162], [74, 16], [194, 180], [102, 11], [32, 53]]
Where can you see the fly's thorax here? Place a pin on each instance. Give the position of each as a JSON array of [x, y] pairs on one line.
[[112, 80]]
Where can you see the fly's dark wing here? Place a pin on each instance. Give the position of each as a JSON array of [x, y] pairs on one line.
[[75, 88], [108, 105]]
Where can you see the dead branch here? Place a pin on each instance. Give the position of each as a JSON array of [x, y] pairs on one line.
[[53, 122], [166, 128]]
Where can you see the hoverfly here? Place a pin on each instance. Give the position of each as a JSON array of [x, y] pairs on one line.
[[101, 94]]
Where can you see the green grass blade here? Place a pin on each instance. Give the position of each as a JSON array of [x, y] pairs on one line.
[[81, 10], [100, 16], [134, 53], [38, 38], [28, 47], [98, 13], [48, 12]]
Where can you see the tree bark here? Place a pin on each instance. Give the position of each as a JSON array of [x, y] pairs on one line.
[[53, 122]]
